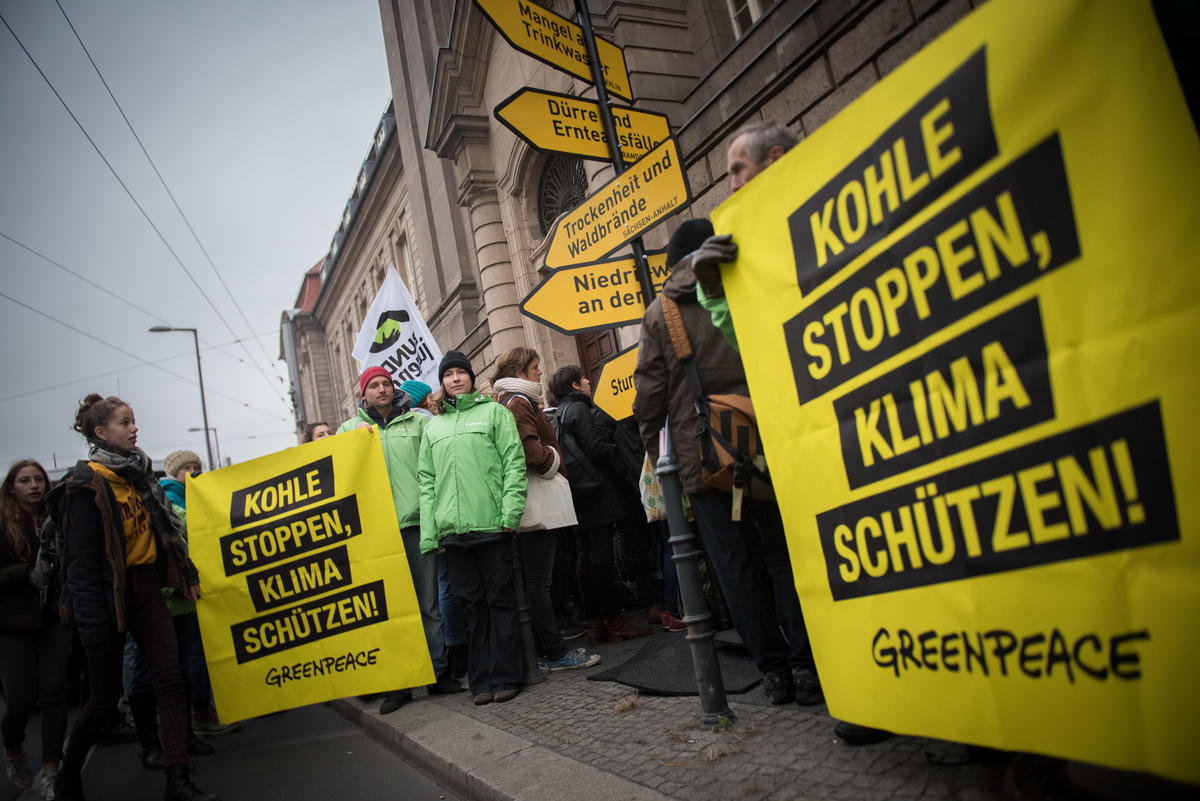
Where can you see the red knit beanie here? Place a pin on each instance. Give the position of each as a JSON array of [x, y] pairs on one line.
[[366, 377]]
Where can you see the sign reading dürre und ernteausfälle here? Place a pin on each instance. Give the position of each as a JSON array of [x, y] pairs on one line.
[[575, 300], [556, 41], [557, 123], [624, 208]]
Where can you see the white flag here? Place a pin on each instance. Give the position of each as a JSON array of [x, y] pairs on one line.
[[394, 336]]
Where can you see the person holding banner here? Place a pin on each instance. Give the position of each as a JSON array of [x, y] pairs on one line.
[[749, 551], [121, 543], [471, 474], [400, 430], [752, 149]]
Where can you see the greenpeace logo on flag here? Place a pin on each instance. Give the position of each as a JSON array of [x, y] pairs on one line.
[[388, 329], [394, 336]]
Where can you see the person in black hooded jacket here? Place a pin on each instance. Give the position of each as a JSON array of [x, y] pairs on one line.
[[591, 470]]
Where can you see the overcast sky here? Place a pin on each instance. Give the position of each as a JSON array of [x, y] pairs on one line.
[[258, 116]]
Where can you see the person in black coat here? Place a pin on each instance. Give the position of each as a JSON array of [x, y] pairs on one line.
[[590, 459]]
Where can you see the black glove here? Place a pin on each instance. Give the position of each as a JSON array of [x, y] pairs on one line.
[[705, 261]]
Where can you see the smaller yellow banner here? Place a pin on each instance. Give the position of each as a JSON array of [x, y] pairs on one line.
[[307, 594], [556, 41], [608, 293], [614, 391], [624, 208], [557, 123]]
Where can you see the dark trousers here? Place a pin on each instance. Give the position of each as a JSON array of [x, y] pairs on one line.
[[597, 571], [482, 578], [33, 670], [148, 622], [137, 677], [752, 564], [537, 558]]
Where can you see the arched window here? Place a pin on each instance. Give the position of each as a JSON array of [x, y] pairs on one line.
[[563, 186]]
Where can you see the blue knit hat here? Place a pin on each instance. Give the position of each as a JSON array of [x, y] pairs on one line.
[[417, 390]]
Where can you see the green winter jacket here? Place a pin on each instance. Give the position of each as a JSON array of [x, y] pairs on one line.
[[471, 472], [401, 440]]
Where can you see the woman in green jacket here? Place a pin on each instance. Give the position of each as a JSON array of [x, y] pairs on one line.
[[471, 474]]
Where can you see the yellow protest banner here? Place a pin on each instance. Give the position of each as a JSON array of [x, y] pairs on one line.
[[982, 276], [593, 296], [306, 591], [555, 40], [614, 391], [557, 123], [624, 208]]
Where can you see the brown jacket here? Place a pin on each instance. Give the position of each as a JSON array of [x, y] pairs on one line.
[[542, 453], [662, 388]]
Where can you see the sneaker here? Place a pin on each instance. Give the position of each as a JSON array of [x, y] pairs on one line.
[[17, 768], [672, 623], [572, 660], [46, 783], [807, 687], [506, 695], [572, 631], [778, 687]]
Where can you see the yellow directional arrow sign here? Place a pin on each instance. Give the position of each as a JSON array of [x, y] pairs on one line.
[[558, 123], [614, 391], [624, 208], [557, 41], [579, 299]]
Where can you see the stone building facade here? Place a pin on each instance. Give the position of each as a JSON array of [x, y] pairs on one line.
[[461, 206]]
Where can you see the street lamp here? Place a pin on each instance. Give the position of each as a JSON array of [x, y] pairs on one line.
[[159, 329], [216, 441]]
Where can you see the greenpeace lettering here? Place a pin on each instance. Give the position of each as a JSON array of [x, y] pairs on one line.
[[1001, 652], [1098, 488], [943, 138]]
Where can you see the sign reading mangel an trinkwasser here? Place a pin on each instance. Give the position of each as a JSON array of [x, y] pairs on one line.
[[970, 319], [307, 594]]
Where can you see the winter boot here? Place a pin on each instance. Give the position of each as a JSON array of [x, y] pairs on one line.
[[597, 632], [145, 718], [619, 628], [180, 787]]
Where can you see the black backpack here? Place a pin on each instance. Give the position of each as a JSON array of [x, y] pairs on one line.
[[581, 473]]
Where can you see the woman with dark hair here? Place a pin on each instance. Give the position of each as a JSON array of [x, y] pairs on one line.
[[315, 431], [471, 474], [518, 386], [34, 646], [122, 542], [591, 464]]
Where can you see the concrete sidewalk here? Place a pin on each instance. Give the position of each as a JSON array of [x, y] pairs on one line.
[[569, 738]]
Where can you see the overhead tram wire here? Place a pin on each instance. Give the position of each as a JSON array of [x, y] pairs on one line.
[[170, 194], [132, 355], [132, 305], [97, 376], [111, 169]]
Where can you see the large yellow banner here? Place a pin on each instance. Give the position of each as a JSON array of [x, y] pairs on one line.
[[307, 594], [983, 274]]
